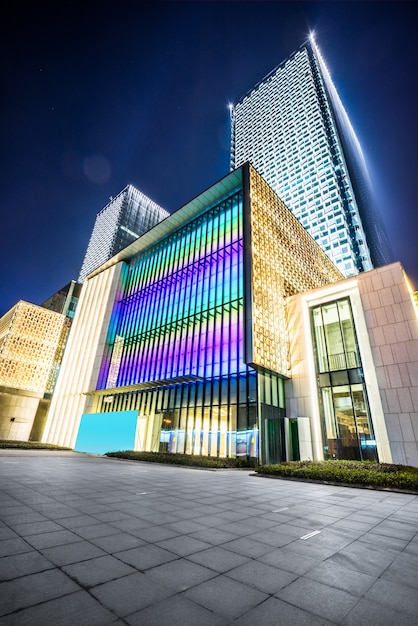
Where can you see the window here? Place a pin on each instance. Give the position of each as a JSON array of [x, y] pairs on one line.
[[345, 417]]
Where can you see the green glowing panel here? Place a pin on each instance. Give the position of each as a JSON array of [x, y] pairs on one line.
[[106, 432]]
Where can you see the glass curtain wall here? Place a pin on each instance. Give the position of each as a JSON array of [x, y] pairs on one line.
[[346, 422], [178, 326], [272, 413]]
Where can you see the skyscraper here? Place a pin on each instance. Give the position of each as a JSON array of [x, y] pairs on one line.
[[127, 216], [293, 128]]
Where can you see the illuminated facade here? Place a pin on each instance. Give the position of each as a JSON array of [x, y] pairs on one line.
[[127, 216], [354, 347], [187, 327], [293, 128], [32, 342]]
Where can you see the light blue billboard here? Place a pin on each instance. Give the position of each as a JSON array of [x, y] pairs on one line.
[[106, 432]]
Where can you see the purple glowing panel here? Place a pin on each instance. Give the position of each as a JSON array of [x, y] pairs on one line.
[[181, 304]]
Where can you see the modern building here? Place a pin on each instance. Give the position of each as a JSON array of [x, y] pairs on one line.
[[225, 330], [127, 216], [180, 340], [64, 300], [354, 367], [32, 342], [293, 128]]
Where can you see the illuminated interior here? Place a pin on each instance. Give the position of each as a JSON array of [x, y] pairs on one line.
[[346, 422]]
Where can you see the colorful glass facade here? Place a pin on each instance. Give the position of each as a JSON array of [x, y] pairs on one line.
[[178, 327], [197, 339]]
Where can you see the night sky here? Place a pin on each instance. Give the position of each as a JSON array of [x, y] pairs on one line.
[[98, 96]]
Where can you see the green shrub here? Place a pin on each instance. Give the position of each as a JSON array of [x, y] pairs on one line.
[[366, 473], [184, 459], [30, 445]]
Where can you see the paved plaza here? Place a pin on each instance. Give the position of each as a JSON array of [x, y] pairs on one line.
[[90, 540]]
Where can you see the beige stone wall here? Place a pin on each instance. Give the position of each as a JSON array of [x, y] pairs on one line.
[[386, 322], [82, 358], [17, 413], [391, 318], [32, 340]]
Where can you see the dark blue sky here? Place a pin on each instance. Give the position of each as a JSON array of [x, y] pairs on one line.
[[98, 96]]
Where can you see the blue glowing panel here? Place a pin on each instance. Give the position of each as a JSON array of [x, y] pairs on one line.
[[180, 310], [106, 432]]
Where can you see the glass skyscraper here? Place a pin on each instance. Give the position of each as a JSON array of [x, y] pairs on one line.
[[293, 128], [127, 216]]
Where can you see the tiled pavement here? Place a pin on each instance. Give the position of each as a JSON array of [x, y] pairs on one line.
[[95, 541]]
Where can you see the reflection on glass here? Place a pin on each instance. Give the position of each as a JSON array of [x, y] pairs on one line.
[[346, 424]]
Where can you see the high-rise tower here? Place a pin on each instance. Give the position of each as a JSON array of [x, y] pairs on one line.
[[293, 128], [127, 216]]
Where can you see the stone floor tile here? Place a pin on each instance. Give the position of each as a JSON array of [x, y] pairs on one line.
[[411, 548], [153, 534], [238, 529], [33, 589], [23, 518], [91, 508], [319, 546], [369, 613], [117, 542], [214, 536], [289, 529], [77, 608], [78, 521], [349, 580], [232, 515], [275, 612], [132, 525], [226, 597], [96, 571], [111, 516], [247, 547], [183, 504], [262, 576], [183, 545], [56, 511], [72, 553], [211, 521], [218, 559], [147, 556], [397, 530], [36, 528], [7, 533], [395, 595], [175, 610], [271, 538], [159, 518], [130, 594], [365, 557], [181, 574], [96, 530], [184, 527], [23, 564], [321, 600], [16, 545], [50, 539]]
